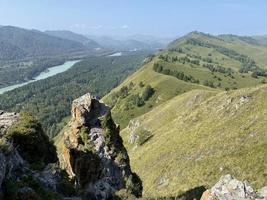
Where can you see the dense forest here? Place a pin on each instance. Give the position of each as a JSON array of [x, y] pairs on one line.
[[50, 99], [17, 72]]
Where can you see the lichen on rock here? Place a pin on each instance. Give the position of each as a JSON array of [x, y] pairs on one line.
[[92, 151]]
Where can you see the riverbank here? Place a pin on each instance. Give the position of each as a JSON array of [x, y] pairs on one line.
[[47, 73]]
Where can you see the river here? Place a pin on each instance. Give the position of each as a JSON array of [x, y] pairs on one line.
[[47, 73]]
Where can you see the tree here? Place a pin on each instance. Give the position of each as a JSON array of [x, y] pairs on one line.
[[254, 75], [147, 93]]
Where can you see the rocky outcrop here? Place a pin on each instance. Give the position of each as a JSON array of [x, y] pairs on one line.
[[9, 158], [92, 152], [229, 188], [7, 120], [22, 176]]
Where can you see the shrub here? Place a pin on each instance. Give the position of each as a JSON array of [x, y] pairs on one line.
[[147, 93], [141, 84], [254, 75], [144, 136], [33, 144]]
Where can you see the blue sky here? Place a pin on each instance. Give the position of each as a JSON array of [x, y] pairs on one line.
[[165, 18]]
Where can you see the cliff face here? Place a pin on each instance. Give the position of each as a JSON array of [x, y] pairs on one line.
[[28, 168], [92, 152], [90, 149]]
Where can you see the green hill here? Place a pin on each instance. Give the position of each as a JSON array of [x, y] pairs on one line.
[[193, 139], [196, 111], [195, 61]]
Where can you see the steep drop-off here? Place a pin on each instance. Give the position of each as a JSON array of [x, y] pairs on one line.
[[91, 151], [92, 163]]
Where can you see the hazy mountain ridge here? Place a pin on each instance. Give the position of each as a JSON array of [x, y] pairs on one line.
[[75, 37], [128, 43], [35, 43]]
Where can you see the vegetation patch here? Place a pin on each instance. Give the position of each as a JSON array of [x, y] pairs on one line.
[[32, 143]]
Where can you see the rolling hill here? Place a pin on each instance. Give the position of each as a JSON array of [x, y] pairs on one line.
[[194, 138], [91, 44], [196, 111], [195, 61], [21, 43]]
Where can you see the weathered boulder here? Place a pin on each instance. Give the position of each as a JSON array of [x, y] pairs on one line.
[[92, 152], [6, 120], [229, 188]]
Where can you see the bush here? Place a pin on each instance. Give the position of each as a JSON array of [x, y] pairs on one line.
[[209, 83], [33, 144], [147, 93], [141, 84], [254, 75], [144, 136]]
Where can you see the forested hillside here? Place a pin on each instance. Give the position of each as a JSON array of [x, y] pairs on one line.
[[36, 43], [24, 53], [50, 99]]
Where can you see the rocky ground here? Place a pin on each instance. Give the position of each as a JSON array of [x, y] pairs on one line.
[[229, 188]]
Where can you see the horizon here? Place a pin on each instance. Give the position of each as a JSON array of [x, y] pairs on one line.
[[167, 19], [122, 37]]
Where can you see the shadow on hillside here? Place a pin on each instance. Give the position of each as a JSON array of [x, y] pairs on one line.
[[192, 194]]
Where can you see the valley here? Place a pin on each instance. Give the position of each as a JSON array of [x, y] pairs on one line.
[[133, 120], [43, 75], [49, 99]]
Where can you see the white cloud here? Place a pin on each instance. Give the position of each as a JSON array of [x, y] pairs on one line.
[[80, 26], [125, 27], [95, 27]]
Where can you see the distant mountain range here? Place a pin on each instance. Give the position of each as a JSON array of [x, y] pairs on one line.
[[135, 42], [74, 37], [18, 43]]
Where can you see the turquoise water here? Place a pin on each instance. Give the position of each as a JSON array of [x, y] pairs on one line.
[[48, 73]]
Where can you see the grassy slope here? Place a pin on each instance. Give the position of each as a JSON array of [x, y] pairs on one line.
[[200, 135], [258, 53], [168, 87]]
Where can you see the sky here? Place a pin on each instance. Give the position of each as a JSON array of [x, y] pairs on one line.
[[161, 18]]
